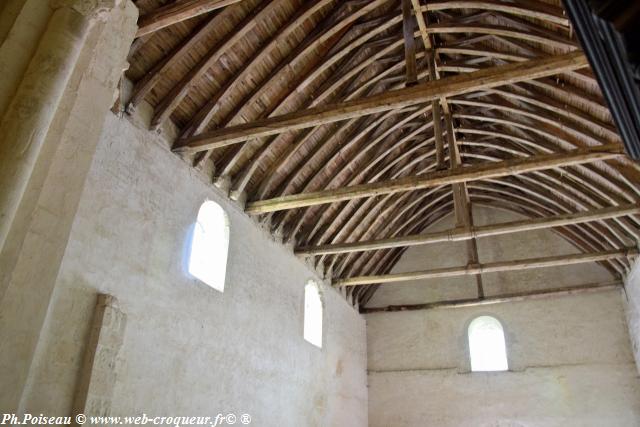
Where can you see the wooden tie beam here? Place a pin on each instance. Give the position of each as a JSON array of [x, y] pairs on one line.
[[418, 94], [493, 267], [446, 177], [462, 233], [497, 299]]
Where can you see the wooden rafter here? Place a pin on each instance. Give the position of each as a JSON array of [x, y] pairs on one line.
[[176, 12], [527, 8], [202, 118], [179, 91], [144, 86]]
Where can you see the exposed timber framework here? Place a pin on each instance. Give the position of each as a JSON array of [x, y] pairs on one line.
[[350, 127]]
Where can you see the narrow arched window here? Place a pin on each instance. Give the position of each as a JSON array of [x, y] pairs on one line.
[[209, 245], [313, 314], [486, 345]]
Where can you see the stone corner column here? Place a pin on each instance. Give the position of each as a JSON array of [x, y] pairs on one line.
[[48, 136], [27, 121]]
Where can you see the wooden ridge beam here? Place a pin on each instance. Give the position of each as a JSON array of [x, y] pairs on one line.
[[462, 233], [177, 12], [445, 177], [492, 267], [497, 299], [421, 93]]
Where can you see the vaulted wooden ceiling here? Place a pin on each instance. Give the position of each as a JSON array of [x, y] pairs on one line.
[[309, 112]]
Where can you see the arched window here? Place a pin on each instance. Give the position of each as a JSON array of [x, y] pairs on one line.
[[486, 345], [209, 245], [313, 314]]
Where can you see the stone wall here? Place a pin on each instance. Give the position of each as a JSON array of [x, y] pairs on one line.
[[570, 359], [58, 89], [632, 306], [187, 348]]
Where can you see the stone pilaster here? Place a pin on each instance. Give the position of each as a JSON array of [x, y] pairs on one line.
[[28, 118], [48, 136], [98, 374]]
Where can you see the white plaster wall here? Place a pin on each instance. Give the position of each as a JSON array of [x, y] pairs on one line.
[[632, 308], [189, 349], [570, 357], [570, 365]]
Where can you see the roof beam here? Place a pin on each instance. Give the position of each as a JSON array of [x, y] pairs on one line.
[[497, 299], [421, 93], [462, 233], [445, 177], [492, 267], [177, 12]]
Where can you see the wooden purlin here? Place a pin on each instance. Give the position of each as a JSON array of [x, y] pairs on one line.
[[462, 233], [447, 177], [421, 93]]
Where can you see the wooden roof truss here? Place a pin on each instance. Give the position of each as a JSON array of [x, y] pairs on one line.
[[349, 127]]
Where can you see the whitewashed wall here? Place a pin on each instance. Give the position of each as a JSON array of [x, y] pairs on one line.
[[570, 357], [189, 349], [632, 306]]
